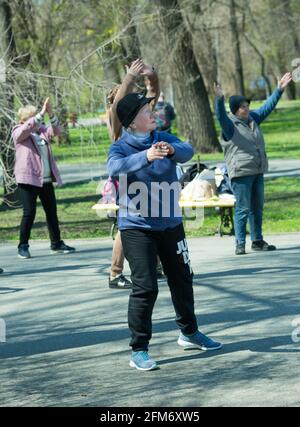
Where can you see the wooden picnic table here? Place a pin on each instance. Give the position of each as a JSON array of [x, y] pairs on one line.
[[223, 205]]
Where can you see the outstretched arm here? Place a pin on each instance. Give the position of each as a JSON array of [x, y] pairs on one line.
[[225, 122], [153, 87], [260, 114], [127, 86]]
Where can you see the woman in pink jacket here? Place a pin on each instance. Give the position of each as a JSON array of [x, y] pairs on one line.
[[35, 170]]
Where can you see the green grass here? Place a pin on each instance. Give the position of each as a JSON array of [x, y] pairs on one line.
[[88, 145], [78, 220], [281, 131]]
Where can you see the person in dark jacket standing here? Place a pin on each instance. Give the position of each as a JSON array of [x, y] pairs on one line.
[[150, 223], [244, 150]]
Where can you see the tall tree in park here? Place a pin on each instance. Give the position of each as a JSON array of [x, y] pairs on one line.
[[130, 41], [38, 30], [236, 47], [193, 108], [286, 39], [203, 27], [290, 21], [8, 56]]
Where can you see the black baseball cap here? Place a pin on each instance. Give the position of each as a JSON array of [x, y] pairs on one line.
[[236, 101], [130, 105]]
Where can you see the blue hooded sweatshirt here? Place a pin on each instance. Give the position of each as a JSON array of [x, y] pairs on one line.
[[148, 192]]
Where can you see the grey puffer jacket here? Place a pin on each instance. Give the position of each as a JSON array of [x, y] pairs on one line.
[[245, 153]]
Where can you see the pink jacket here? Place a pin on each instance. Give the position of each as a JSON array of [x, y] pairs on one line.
[[29, 164]]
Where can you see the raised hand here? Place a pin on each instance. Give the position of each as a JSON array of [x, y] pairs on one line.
[[135, 67], [284, 81], [49, 108], [218, 90], [45, 107], [147, 70]]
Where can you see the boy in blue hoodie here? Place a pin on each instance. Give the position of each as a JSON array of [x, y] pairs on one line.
[[151, 224]]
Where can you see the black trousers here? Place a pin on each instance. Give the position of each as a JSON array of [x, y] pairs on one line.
[[141, 248], [28, 195]]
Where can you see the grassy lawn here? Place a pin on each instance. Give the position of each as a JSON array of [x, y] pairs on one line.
[[281, 130], [78, 220], [89, 145]]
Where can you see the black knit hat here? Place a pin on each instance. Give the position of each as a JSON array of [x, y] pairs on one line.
[[236, 101], [129, 106]]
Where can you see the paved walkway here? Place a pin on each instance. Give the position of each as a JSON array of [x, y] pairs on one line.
[[67, 336], [89, 171], [80, 172]]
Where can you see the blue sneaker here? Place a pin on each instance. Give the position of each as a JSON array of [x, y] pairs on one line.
[[198, 340], [23, 251], [61, 248], [142, 361]]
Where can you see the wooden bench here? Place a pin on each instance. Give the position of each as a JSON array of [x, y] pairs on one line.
[[224, 207]]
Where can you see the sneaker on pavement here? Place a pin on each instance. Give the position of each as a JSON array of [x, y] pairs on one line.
[[61, 248], [23, 251], [240, 250], [198, 340], [119, 282], [142, 361], [261, 245]]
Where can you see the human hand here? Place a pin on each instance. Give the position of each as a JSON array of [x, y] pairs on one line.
[[166, 146], [147, 70], [156, 153], [49, 108], [284, 81], [218, 90], [135, 67], [45, 107]]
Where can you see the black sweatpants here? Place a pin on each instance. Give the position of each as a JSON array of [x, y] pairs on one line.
[[141, 248], [28, 195]]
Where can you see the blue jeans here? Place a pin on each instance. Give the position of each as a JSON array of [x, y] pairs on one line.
[[249, 194]]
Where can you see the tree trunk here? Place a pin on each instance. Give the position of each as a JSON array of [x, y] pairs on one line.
[[207, 51], [110, 66], [262, 66], [235, 40], [130, 42], [283, 21], [7, 150], [195, 118]]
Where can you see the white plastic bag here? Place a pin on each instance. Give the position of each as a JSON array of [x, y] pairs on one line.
[[198, 189]]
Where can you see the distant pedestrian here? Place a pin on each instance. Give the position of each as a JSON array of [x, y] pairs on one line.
[[246, 159], [164, 114], [35, 170]]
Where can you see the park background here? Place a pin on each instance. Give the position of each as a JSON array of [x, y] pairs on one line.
[[75, 51]]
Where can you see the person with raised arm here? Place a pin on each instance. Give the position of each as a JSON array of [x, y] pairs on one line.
[[35, 172], [137, 69], [246, 159]]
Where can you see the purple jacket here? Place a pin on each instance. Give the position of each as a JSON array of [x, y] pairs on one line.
[[29, 164]]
